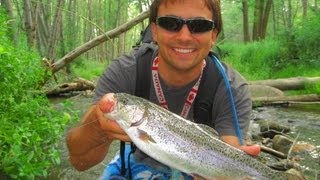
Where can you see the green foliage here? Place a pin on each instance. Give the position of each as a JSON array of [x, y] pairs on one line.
[[253, 60], [310, 89], [89, 69], [300, 69], [30, 128], [308, 39]]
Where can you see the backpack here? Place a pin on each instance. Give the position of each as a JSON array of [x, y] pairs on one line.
[[213, 74]]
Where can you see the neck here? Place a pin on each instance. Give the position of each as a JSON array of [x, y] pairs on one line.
[[176, 78]]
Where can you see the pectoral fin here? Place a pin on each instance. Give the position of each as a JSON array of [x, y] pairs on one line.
[[145, 137]]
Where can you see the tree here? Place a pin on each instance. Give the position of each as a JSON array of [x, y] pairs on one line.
[[12, 20], [29, 10], [96, 41], [304, 8], [55, 31], [245, 9], [261, 17]]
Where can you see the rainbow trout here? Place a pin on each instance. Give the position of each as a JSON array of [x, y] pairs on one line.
[[182, 144]]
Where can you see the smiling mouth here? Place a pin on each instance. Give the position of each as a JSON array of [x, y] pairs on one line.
[[184, 51]]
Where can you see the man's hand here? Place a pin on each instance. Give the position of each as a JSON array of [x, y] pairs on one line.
[[252, 150], [111, 128]]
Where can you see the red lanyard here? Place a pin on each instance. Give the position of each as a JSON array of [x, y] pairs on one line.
[[161, 98]]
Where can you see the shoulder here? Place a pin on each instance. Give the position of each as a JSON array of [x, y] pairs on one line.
[[235, 78], [217, 68]]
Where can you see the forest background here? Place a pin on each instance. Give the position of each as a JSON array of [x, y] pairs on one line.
[[263, 39]]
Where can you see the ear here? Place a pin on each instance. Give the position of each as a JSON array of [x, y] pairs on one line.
[[154, 31], [214, 35]]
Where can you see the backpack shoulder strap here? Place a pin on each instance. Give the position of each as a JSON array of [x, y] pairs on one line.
[[143, 77], [209, 83]]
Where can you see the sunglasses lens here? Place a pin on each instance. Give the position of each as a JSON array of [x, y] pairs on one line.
[[170, 23], [200, 25], [175, 24]]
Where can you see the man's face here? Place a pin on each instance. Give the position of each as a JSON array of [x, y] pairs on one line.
[[183, 50]]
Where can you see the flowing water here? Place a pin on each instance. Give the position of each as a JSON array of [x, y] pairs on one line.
[[304, 120]]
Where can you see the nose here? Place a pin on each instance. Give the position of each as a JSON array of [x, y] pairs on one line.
[[184, 33]]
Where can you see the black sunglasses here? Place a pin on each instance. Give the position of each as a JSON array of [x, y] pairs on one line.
[[195, 25]]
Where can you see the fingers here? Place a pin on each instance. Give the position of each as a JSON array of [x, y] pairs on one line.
[[252, 150], [112, 129]]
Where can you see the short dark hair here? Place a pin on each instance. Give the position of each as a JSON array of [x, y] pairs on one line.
[[212, 5]]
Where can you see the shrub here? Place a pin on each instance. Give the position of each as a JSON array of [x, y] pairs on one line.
[[255, 60], [308, 39], [30, 128]]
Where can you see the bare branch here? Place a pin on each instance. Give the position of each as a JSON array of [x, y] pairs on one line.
[[98, 40]]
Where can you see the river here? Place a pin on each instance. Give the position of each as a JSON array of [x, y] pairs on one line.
[[303, 120]]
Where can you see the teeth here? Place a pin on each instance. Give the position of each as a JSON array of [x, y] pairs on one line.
[[183, 50]]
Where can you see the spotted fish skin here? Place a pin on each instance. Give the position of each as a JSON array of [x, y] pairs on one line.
[[182, 144]]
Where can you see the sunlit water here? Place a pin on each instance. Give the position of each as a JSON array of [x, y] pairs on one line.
[[305, 125]]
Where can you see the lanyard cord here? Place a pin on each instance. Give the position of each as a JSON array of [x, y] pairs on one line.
[[232, 103], [160, 95]]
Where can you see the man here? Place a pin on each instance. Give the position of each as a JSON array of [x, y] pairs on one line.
[[184, 32]]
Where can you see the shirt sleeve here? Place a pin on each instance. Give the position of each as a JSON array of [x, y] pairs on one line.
[[222, 113]]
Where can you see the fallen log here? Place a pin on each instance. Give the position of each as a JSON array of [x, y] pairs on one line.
[[298, 98], [286, 100], [77, 85], [295, 83]]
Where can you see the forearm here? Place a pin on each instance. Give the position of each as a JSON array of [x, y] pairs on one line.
[[87, 143]]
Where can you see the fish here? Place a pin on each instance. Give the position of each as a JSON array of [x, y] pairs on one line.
[[183, 145]]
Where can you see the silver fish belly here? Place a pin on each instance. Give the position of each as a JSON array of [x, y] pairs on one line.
[[182, 144]]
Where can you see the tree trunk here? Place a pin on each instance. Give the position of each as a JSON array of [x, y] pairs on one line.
[[43, 32], [101, 49], [265, 19], [261, 18], [141, 10], [96, 41], [77, 85], [274, 19], [120, 19], [55, 31], [246, 36], [304, 8], [288, 84], [257, 20], [12, 20], [30, 23], [289, 17], [285, 100]]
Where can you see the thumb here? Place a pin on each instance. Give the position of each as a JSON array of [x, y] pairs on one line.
[[252, 150]]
